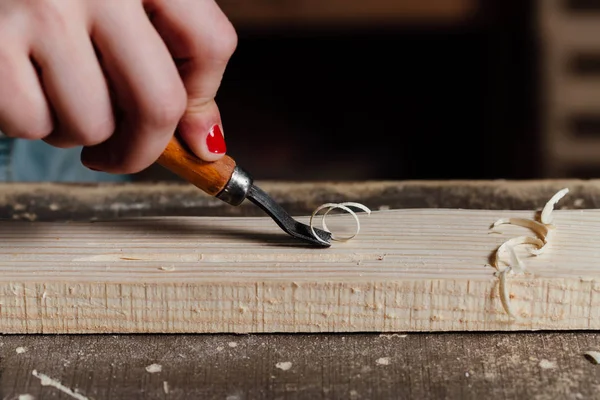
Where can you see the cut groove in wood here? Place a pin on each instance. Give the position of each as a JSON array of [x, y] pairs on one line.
[[407, 270]]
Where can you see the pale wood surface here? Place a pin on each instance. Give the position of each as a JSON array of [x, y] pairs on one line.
[[408, 270]]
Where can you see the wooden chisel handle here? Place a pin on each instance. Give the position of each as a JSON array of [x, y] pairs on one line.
[[211, 177]]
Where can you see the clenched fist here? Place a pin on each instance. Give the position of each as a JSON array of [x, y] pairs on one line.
[[115, 76]]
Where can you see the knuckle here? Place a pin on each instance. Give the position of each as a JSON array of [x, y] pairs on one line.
[[229, 41], [167, 109], [95, 131], [30, 129], [30, 132], [223, 44], [49, 16], [23, 115]]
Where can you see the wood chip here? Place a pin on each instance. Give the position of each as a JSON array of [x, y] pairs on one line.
[[154, 368], [546, 215], [593, 356]]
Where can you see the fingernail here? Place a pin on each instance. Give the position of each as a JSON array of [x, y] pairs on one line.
[[215, 142]]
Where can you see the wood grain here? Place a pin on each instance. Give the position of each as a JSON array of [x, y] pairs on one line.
[[465, 366], [210, 177], [408, 270]]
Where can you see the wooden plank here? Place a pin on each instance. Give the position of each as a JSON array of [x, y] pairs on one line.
[[62, 201], [408, 270], [541, 365], [465, 366]]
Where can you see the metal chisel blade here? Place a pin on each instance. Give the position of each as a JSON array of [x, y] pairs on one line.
[[294, 228]]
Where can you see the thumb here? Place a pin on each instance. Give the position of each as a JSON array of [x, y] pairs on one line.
[[202, 130], [202, 40]]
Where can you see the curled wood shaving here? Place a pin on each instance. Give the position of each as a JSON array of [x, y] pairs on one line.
[[515, 265], [509, 245], [503, 289], [346, 206], [540, 229], [546, 215], [515, 262]]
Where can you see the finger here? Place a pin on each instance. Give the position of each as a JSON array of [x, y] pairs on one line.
[[203, 51], [24, 111], [147, 86], [75, 86]]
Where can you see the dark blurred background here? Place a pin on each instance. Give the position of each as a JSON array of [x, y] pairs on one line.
[[413, 89]]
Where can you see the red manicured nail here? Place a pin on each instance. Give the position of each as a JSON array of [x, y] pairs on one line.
[[215, 140]]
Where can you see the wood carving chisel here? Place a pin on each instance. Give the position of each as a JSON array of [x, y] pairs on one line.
[[229, 182]]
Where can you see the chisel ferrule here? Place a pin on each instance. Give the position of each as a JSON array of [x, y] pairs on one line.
[[237, 188]]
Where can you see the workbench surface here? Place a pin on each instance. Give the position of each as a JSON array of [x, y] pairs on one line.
[[537, 365]]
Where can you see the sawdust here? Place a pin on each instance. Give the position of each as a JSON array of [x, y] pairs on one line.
[[547, 364], [45, 380], [154, 368], [284, 365], [592, 356]]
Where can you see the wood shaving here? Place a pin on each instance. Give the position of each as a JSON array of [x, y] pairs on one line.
[[153, 368], [546, 215], [540, 229], [504, 295], [547, 364], [284, 366], [383, 361], [346, 206], [45, 380], [392, 335], [515, 265], [509, 246], [593, 356]]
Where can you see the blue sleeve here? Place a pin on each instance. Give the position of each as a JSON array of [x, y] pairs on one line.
[[36, 161]]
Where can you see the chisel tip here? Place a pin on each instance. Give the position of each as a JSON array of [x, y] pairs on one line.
[[285, 221]]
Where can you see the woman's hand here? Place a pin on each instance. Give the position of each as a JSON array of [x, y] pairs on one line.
[[116, 76]]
